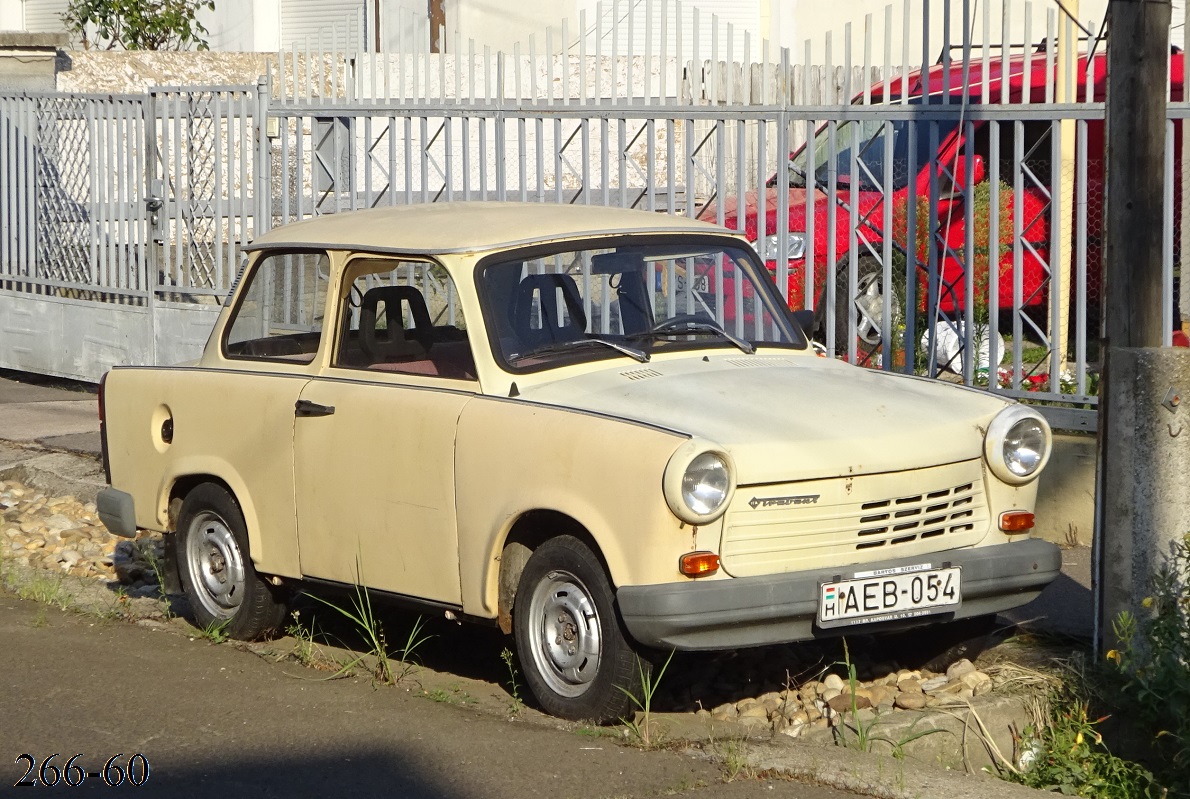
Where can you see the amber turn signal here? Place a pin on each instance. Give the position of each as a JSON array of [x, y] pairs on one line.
[[698, 564], [1016, 521]]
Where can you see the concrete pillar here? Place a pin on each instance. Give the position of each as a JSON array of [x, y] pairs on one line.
[[1145, 483], [28, 61]]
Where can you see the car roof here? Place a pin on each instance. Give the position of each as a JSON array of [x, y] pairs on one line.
[[947, 78], [459, 227]]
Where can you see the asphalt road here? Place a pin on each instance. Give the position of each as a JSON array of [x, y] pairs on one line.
[[213, 720]]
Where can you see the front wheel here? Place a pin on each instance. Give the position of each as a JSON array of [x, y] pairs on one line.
[[867, 297], [577, 660], [217, 574]]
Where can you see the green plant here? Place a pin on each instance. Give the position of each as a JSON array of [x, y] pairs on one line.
[[407, 654], [642, 731], [47, 589], [147, 547], [215, 631], [863, 730], [734, 754], [138, 24], [305, 650], [1152, 667], [514, 687], [454, 695], [1067, 755], [361, 614]]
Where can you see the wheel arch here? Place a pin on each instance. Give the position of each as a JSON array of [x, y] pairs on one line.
[[526, 533], [182, 484]]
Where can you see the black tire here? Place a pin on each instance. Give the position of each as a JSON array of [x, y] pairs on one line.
[[868, 291], [218, 577], [570, 643]]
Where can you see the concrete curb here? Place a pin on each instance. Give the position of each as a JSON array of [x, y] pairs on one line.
[[949, 764], [882, 775], [56, 473]]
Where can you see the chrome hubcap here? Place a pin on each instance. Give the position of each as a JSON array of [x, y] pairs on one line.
[[869, 306], [216, 565], [567, 644]]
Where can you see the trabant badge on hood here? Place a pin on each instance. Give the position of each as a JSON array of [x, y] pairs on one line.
[[781, 502]]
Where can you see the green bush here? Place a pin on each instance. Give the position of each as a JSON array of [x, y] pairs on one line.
[[1068, 756], [138, 24], [1152, 666]]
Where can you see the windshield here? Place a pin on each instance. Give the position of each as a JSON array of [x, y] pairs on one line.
[[870, 154], [631, 300]]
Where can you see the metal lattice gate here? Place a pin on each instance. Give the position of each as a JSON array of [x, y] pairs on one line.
[[74, 217], [202, 181]]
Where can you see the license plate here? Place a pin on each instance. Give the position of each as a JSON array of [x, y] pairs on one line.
[[888, 595]]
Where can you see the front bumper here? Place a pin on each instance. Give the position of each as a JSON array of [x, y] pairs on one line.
[[772, 609]]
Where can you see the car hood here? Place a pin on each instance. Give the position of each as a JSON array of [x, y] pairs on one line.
[[733, 208], [786, 418]]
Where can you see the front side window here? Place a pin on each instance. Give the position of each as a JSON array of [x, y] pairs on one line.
[[279, 315], [629, 299], [402, 317]]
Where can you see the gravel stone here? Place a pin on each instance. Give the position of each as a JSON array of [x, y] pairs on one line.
[[959, 668], [912, 701]]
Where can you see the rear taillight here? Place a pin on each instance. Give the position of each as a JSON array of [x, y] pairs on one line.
[[102, 380], [107, 466]]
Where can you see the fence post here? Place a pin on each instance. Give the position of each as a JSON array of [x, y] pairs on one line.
[[263, 183]]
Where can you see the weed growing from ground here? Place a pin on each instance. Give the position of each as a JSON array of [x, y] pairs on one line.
[[215, 631], [48, 589], [734, 754], [642, 732], [1067, 755], [514, 687], [361, 614], [454, 695], [305, 650], [864, 736], [1152, 669]]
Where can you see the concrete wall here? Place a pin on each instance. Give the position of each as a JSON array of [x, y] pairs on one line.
[[104, 335], [1066, 491], [28, 61]]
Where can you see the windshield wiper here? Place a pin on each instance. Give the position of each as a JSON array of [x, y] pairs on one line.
[[640, 356], [688, 325]]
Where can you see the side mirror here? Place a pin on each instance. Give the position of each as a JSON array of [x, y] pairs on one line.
[[804, 319]]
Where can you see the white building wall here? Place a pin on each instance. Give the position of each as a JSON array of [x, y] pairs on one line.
[[813, 19], [12, 15], [44, 16]]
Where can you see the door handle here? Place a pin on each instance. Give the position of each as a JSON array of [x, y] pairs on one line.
[[307, 408]]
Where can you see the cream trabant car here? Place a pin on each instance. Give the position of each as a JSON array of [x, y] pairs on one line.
[[598, 429]]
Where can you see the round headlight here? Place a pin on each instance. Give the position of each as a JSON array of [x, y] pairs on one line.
[[1017, 445], [1024, 447], [699, 482], [706, 483]]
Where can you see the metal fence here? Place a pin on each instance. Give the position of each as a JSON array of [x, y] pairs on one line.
[[945, 222]]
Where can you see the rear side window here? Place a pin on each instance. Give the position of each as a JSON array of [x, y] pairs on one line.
[[279, 315]]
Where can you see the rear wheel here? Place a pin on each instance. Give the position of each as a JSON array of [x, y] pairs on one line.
[[577, 659], [217, 574]]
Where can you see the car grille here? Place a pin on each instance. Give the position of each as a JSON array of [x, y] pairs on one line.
[[794, 526]]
